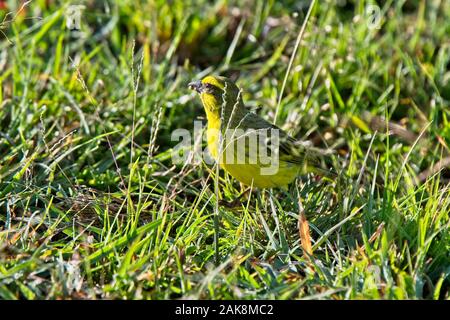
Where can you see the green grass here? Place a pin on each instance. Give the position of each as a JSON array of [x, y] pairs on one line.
[[91, 205]]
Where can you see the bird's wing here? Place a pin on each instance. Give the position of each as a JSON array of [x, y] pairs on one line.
[[290, 150]]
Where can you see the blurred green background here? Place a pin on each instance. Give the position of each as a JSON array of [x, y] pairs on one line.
[[93, 207]]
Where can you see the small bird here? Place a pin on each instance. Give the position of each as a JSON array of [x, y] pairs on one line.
[[251, 149]]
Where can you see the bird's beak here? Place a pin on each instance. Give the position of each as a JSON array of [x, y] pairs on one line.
[[196, 85]]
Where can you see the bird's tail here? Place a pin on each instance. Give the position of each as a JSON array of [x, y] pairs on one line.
[[321, 162]]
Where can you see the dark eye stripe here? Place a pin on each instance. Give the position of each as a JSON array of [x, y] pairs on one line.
[[210, 88]]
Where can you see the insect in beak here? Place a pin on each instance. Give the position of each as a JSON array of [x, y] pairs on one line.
[[196, 85]]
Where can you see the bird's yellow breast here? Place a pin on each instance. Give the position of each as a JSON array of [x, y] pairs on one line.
[[213, 115]]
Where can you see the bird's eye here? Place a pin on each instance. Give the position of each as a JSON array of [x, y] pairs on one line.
[[209, 86]]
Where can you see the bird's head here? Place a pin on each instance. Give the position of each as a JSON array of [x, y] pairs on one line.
[[214, 90]]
